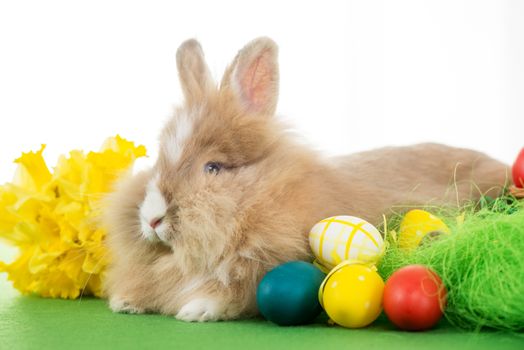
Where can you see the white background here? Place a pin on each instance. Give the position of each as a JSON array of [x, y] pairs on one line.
[[354, 74]]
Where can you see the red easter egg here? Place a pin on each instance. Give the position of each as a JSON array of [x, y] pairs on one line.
[[414, 298], [518, 170]]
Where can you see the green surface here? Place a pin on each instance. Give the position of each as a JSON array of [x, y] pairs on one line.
[[36, 323]]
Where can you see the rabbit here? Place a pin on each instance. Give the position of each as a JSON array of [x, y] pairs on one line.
[[234, 193]]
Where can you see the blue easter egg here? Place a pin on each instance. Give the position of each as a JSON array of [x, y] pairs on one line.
[[288, 294]]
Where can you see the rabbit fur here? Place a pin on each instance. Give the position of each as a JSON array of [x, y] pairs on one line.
[[233, 194]]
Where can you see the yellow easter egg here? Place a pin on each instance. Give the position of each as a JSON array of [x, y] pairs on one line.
[[341, 238], [352, 295], [416, 225]]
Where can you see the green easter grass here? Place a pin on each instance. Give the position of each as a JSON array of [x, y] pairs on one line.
[[28, 322]]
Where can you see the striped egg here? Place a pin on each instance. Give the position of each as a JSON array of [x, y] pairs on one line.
[[341, 238]]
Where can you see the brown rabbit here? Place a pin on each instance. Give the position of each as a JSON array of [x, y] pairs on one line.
[[232, 194]]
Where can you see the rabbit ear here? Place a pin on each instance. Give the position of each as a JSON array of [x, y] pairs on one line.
[[253, 76], [195, 78]]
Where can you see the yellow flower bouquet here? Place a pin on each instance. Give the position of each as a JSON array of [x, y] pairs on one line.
[[52, 218]]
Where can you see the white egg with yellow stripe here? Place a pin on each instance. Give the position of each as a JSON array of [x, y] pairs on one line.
[[341, 238]]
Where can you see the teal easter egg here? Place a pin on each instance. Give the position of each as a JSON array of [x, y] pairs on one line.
[[288, 294]]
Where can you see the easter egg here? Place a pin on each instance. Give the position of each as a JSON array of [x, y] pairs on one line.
[[351, 294], [288, 294], [518, 170], [414, 298], [341, 238], [418, 225]]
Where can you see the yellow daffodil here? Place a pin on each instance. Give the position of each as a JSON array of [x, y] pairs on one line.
[[51, 217]]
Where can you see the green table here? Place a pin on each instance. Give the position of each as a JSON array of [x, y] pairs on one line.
[[36, 323]]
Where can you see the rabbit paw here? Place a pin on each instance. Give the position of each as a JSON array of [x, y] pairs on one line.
[[121, 305], [200, 310]]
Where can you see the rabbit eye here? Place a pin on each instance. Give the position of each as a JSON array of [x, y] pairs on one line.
[[213, 168]]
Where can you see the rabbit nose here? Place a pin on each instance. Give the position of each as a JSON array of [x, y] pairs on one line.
[[155, 222]]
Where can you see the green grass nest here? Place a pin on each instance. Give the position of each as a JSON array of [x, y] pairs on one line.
[[481, 262]]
